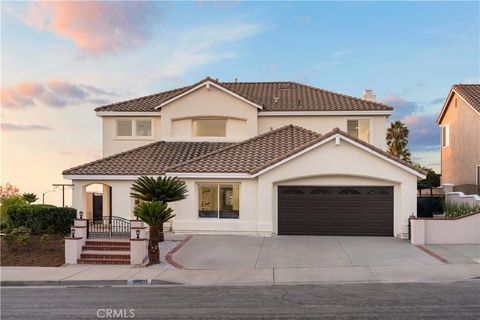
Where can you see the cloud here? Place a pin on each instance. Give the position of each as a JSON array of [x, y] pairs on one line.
[[55, 93], [19, 127], [438, 101], [95, 27], [332, 60], [303, 19], [401, 106], [424, 131]]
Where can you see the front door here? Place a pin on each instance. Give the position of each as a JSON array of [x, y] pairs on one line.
[[97, 206]]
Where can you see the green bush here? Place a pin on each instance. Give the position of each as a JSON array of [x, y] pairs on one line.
[[18, 236], [453, 210], [7, 202], [42, 218]]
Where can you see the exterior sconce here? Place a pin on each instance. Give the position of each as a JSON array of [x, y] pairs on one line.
[[73, 233], [81, 215], [138, 233]]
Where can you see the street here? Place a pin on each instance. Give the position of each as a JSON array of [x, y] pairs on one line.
[[448, 300]]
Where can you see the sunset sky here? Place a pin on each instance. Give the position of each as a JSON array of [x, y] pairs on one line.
[[62, 59]]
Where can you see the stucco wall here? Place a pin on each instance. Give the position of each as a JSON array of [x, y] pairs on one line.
[[324, 124], [186, 211], [465, 230], [349, 161], [113, 144], [460, 158], [122, 203], [176, 120]]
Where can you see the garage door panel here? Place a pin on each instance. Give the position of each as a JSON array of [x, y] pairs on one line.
[[344, 211]]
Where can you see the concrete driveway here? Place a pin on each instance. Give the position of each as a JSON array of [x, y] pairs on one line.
[[233, 252]]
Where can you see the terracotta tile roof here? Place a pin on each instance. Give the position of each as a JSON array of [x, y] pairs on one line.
[[470, 92], [251, 155], [272, 96], [150, 159], [255, 154]]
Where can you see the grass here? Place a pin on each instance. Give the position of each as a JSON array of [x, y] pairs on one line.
[[453, 210]]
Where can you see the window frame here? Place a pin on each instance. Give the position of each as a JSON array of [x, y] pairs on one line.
[[370, 127], [445, 135], [206, 118], [134, 135], [218, 186]]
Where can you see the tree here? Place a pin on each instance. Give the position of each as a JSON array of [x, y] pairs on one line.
[[155, 214], [7, 191], [397, 140], [30, 197], [432, 180], [165, 189]]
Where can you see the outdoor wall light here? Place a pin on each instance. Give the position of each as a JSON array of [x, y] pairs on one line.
[[81, 215], [73, 233], [138, 233]]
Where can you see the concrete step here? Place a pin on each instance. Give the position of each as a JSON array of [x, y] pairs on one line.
[[106, 242], [106, 248], [107, 255], [103, 261]]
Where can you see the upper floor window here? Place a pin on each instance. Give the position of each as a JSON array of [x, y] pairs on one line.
[[359, 129], [445, 136], [209, 127], [134, 128]]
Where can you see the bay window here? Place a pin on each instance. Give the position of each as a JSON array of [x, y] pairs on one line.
[[218, 200]]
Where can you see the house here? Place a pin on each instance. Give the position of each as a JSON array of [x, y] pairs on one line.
[[459, 122], [258, 158]]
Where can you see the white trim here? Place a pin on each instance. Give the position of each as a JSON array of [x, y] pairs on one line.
[[213, 175], [445, 140], [444, 108], [126, 114], [324, 113], [477, 174], [103, 177], [209, 83]]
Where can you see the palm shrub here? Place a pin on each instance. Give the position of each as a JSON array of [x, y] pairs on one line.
[[163, 189], [397, 140], [155, 214], [30, 197]]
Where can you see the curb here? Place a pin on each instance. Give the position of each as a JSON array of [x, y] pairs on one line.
[[61, 283], [169, 256]]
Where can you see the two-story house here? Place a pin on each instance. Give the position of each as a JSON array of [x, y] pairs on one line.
[[257, 158], [459, 122]]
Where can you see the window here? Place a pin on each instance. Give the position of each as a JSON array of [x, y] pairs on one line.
[[359, 129], [218, 201], [134, 128], [144, 128], [209, 127], [445, 136], [124, 128]]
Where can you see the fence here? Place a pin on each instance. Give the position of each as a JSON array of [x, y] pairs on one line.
[[429, 201], [467, 188]]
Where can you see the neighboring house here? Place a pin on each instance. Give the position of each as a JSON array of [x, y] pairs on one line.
[[257, 158], [459, 123]]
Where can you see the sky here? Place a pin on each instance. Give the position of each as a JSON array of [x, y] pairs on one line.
[[60, 60]]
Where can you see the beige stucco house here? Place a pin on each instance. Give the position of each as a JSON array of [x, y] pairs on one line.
[[459, 122], [257, 158]]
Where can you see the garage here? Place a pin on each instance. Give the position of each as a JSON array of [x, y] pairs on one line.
[[335, 211]]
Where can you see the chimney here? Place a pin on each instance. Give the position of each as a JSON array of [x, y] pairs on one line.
[[369, 95]]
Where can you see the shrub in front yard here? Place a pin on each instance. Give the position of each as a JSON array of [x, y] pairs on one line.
[[7, 202], [453, 210], [41, 218], [18, 236]]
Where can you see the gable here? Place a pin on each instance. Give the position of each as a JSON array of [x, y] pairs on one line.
[[472, 101]]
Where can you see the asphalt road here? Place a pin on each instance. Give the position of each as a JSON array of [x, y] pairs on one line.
[[454, 300]]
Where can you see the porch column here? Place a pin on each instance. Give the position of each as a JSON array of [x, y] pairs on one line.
[[138, 242]]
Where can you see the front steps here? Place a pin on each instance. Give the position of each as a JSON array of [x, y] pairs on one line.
[[105, 251]]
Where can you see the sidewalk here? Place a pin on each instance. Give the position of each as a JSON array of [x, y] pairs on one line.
[[126, 275]]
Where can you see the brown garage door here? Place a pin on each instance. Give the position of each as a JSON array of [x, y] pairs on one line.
[[339, 211]]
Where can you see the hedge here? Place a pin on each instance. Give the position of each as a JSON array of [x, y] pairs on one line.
[[42, 218]]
